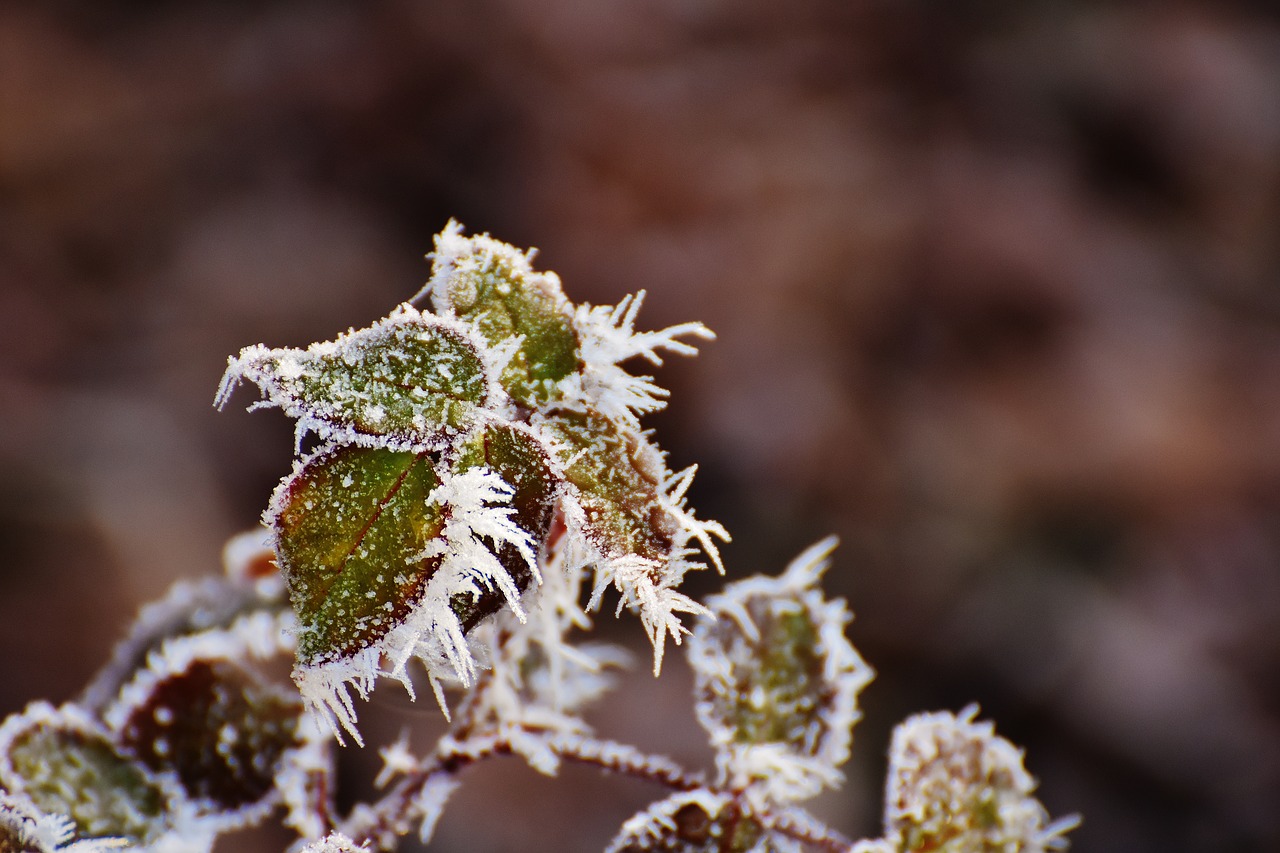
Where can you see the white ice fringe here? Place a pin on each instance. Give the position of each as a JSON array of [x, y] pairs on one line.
[[335, 842], [608, 338]]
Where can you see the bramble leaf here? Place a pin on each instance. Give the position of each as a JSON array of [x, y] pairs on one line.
[[776, 681], [220, 729], [955, 786], [618, 476], [492, 285], [351, 524], [67, 765], [408, 380]]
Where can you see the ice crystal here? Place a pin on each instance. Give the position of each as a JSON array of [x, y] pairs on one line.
[[955, 786], [777, 681]]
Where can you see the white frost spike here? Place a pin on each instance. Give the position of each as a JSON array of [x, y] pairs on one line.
[[326, 689], [431, 801], [608, 338], [954, 780], [476, 511]]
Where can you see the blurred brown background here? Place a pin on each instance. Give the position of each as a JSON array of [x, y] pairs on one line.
[[997, 284]]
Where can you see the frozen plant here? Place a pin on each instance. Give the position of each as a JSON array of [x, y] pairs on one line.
[[472, 486]]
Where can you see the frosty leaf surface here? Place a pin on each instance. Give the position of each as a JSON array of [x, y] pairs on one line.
[[618, 476], [351, 524], [492, 285], [954, 786], [218, 728], [410, 378], [67, 766], [776, 680]]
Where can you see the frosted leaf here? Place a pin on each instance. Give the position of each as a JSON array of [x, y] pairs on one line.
[[777, 682], [66, 764], [698, 821], [408, 381], [609, 339], [954, 786], [626, 515], [383, 557], [493, 286], [199, 716], [350, 524]]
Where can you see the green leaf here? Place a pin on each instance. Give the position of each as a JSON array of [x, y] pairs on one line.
[[493, 286], [67, 766], [410, 377], [774, 669], [351, 525], [220, 729], [618, 476]]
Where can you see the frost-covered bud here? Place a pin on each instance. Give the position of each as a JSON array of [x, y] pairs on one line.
[[954, 786], [699, 821], [65, 763], [777, 682]]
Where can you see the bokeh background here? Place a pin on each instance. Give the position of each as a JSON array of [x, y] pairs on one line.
[[997, 285]]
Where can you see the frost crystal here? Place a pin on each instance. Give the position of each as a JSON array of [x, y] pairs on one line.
[[777, 682], [955, 786], [609, 339]]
